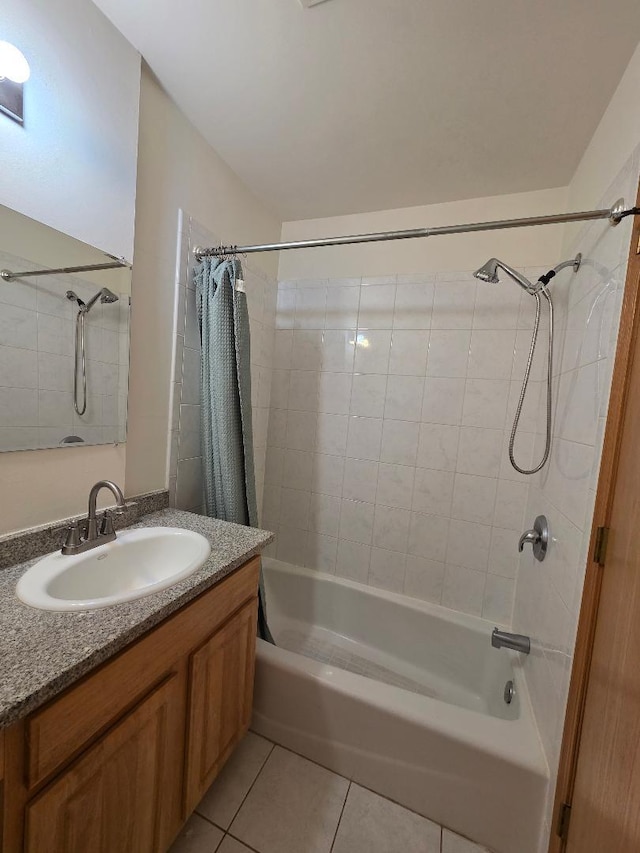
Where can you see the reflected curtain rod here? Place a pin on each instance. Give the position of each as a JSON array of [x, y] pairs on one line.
[[8, 275], [614, 214]]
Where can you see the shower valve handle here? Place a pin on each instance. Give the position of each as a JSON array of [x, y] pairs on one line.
[[538, 537]]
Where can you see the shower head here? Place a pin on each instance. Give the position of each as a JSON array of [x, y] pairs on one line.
[[489, 272], [105, 296], [108, 296]]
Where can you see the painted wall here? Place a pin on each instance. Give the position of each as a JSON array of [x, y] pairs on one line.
[[548, 595], [73, 163], [78, 145], [177, 170], [525, 247]]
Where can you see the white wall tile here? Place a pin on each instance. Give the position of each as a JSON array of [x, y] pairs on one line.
[[356, 521], [448, 353], [324, 514], [376, 306], [479, 451], [485, 403], [331, 435], [372, 351], [413, 305], [438, 447], [364, 438], [328, 474], [334, 393], [403, 400], [353, 560], [321, 552], [453, 304], [432, 492], [399, 442], [424, 579], [463, 589], [468, 545], [360, 479], [368, 395], [443, 400], [428, 536], [474, 498], [491, 354], [391, 528], [409, 350], [307, 349], [395, 485], [338, 349], [342, 307], [387, 569]]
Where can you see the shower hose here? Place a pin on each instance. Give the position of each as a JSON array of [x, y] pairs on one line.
[[544, 280]]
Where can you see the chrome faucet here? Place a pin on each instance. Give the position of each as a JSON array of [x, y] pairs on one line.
[[517, 642], [80, 539], [538, 538]]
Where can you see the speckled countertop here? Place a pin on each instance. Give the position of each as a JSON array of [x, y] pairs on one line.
[[42, 653]]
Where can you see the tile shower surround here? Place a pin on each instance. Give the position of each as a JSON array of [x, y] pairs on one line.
[[549, 594], [185, 454], [37, 335], [391, 407]]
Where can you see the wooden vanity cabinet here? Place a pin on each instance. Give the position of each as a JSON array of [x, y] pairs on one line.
[[117, 763]]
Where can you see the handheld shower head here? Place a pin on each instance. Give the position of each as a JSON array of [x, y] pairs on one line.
[[489, 273], [72, 296]]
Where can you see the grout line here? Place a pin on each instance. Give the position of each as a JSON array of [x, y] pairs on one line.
[[240, 841], [335, 834]]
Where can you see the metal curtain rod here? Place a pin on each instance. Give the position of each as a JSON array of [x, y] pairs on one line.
[[7, 275], [614, 214]]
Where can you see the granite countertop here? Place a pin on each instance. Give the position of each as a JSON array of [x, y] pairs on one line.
[[43, 652]]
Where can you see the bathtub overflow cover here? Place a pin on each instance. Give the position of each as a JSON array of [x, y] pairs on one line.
[[509, 692]]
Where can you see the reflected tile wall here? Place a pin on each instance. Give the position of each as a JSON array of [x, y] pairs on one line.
[[391, 406], [548, 594], [37, 334], [185, 454]]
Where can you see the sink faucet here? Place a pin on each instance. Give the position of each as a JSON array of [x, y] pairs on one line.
[[517, 642], [79, 540]]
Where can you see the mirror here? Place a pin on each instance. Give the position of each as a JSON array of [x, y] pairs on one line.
[[60, 334]]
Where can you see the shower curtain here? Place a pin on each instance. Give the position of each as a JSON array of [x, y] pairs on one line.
[[227, 432]]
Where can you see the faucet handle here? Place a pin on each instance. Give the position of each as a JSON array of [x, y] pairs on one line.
[[72, 538], [106, 527]]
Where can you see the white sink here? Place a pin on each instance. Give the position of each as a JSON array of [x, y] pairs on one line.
[[136, 564]]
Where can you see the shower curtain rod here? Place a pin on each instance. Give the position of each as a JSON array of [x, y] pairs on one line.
[[8, 275], [614, 214]]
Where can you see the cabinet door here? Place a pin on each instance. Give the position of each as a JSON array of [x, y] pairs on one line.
[[123, 794], [221, 696]]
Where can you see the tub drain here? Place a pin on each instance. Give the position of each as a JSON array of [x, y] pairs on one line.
[[509, 692]]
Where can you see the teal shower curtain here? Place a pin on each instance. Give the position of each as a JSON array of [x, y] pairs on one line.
[[227, 431]]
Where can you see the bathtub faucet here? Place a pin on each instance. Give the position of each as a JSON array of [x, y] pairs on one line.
[[517, 642]]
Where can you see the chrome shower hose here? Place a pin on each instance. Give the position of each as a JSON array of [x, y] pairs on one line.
[[525, 383]]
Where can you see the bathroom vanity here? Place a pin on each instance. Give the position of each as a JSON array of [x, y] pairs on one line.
[[119, 759]]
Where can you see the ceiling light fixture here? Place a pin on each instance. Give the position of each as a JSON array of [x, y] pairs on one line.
[[14, 73]]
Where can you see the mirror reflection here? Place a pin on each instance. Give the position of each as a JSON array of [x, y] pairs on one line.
[[64, 339]]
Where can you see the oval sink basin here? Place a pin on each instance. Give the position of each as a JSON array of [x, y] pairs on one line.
[[138, 563]]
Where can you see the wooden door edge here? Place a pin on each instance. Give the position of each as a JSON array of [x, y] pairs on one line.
[[627, 338]]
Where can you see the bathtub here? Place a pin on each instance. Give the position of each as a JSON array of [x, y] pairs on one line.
[[407, 699]]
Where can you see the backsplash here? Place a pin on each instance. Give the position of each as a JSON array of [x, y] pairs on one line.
[[391, 409], [185, 462]]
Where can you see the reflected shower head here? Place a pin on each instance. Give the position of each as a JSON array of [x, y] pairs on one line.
[[108, 296], [489, 272], [105, 296]]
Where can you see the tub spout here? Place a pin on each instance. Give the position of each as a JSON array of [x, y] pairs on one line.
[[517, 642]]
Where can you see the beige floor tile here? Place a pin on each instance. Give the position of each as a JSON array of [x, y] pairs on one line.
[[225, 796], [230, 845], [198, 836], [372, 824], [294, 806], [452, 843]]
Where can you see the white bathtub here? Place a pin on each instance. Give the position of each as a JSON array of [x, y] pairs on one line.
[[455, 751]]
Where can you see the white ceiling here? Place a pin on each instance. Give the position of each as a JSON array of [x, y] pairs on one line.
[[358, 105]]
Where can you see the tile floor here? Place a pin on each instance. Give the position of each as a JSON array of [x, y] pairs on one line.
[[270, 800]]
